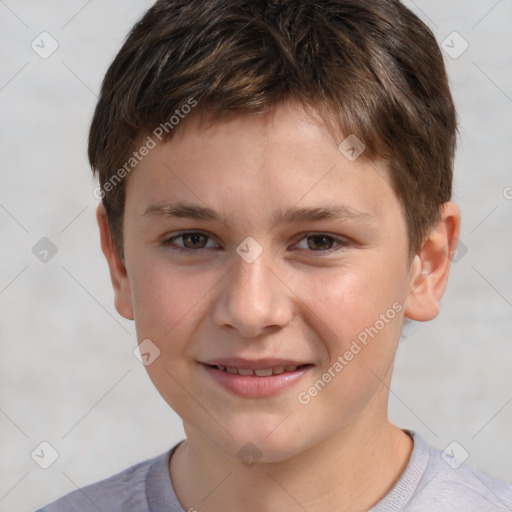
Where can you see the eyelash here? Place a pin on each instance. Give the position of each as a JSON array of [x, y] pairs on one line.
[[342, 242]]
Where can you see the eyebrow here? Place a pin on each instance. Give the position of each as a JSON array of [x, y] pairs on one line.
[[293, 215]]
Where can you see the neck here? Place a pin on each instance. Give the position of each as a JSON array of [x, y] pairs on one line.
[[349, 471]]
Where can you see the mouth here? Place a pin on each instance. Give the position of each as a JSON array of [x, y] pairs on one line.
[[259, 372], [256, 379]]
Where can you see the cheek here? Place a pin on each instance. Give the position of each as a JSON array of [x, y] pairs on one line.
[[165, 299], [357, 312], [166, 303], [346, 300]]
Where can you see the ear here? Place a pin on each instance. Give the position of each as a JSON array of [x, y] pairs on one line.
[[431, 266], [118, 274]]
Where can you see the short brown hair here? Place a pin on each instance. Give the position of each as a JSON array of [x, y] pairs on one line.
[[372, 67]]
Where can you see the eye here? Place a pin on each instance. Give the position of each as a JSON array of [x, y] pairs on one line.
[[322, 243], [192, 240]]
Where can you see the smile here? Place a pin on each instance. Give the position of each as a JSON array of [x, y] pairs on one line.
[[264, 372], [256, 379]]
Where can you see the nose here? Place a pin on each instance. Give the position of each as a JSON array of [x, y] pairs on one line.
[[253, 301]]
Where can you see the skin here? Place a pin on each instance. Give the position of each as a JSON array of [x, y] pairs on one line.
[[295, 301]]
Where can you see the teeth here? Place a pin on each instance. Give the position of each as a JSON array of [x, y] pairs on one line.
[[264, 372]]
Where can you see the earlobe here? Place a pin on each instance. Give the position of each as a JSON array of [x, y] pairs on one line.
[[431, 266], [118, 274]]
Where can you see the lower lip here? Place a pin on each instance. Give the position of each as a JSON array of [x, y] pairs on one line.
[[252, 386]]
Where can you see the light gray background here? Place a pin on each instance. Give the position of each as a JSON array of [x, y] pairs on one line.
[[68, 374]]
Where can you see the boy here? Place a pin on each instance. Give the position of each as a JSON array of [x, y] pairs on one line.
[[276, 180]]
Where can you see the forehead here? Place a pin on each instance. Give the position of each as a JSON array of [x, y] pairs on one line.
[[260, 163]]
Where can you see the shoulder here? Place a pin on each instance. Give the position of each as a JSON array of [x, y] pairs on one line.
[[454, 485], [124, 491]]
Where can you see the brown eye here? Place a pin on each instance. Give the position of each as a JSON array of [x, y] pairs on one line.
[[194, 240], [191, 241], [320, 242]]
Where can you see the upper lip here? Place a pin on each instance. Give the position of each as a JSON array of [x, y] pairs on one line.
[[254, 364]]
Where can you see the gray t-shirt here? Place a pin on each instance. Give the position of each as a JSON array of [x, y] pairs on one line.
[[429, 483]]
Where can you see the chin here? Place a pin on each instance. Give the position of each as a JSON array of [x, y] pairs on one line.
[[258, 438]]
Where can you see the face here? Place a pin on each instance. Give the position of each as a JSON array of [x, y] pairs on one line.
[[270, 271]]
